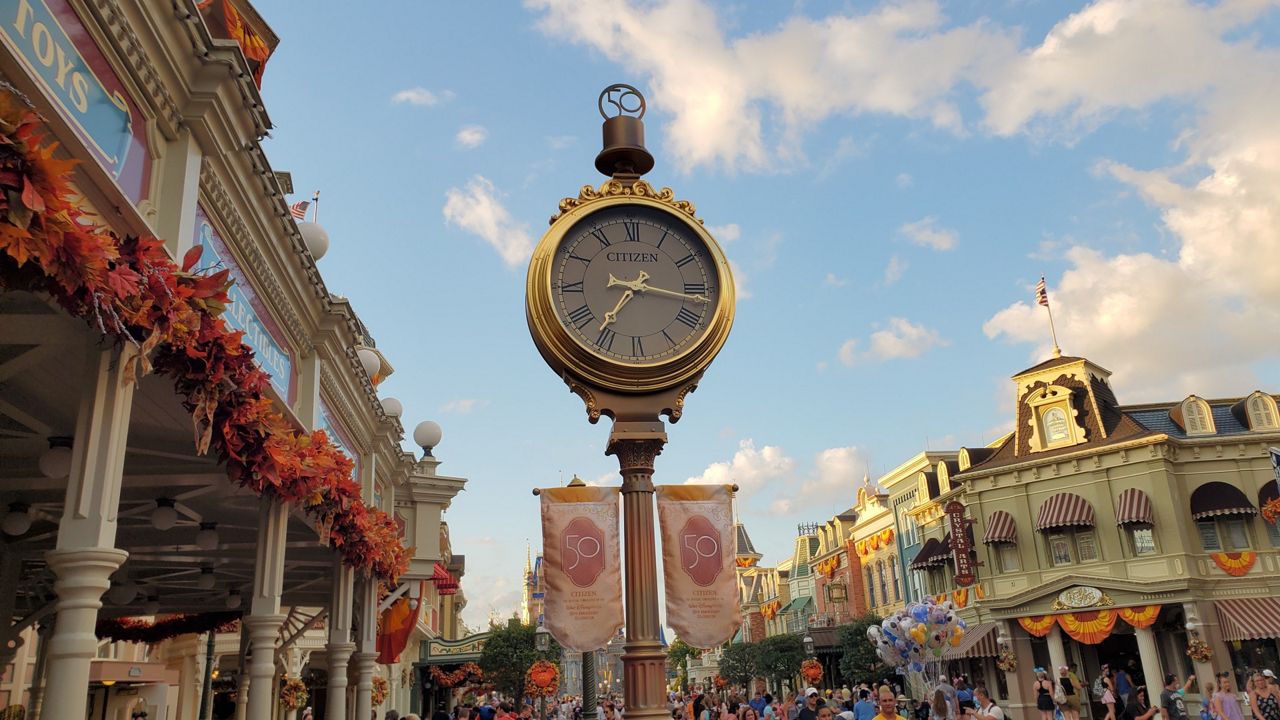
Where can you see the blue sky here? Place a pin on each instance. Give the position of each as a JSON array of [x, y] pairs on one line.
[[889, 181]]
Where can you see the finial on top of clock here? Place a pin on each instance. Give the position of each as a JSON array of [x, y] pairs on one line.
[[624, 156]]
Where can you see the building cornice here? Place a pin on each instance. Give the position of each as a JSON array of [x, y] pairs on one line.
[[979, 473], [128, 45]]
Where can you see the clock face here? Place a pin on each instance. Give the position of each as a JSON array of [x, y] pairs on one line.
[[634, 284]]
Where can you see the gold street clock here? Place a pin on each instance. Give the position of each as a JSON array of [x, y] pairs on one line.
[[628, 291]]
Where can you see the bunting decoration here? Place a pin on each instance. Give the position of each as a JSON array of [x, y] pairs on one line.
[[395, 625], [1140, 617], [583, 566], [886, 536], [696, 524], [1235, 564], [1090, 627], [1037, 626], [960, 597]]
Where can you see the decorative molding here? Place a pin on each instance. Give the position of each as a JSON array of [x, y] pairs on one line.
[[244, 241], [588, 397], [614, 188], [678, 410], [112, 20], [329, 385]]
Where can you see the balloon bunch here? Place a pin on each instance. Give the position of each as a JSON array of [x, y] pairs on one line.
[[917, 634]]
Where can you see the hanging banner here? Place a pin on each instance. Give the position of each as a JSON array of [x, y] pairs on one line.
[[961, 544], [697, 555], [582, 566], [396, 624]]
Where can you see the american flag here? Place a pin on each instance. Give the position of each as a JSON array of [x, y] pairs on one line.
[[299, 209], [1042, 296]]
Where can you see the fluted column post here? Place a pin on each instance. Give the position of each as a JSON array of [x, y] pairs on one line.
[[340, 647], [366, 653], [264, 619], [643, 662]]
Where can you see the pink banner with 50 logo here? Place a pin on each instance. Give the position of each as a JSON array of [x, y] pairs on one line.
[[581, 561], [697, 554]]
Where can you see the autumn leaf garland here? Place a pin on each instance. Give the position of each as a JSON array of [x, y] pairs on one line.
[[129, 289]]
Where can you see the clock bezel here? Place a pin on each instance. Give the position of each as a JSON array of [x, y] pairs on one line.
[[564, 353]]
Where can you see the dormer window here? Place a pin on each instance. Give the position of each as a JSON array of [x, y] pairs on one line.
[[1054, 419], [1262, 412], [1197, 417]]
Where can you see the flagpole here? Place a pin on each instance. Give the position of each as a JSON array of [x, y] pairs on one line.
[[315, 203], [1057, 351]]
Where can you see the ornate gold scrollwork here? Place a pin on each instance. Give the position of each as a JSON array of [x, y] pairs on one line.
[[614, 188]]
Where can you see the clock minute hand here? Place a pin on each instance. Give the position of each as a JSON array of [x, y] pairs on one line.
[[668, 293]]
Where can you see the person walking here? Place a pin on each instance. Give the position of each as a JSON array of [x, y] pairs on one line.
[[1109, 692], [809, 711], [1070, 694], [1140, 707], [1264, 699], [1173, 706], [1226, 702], [888, 703], [864, 709], [1043, 691], [986, 707]]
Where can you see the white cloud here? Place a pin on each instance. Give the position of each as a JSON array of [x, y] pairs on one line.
[[716, 88], [750, 468], [742, 291], [901, 339], [835, 280], [903, 181], [421, 96], [463, 406], [894, 270], [926, 233], [835, 475], [561, 142], [725, 234], [471, 136], [478, 210]]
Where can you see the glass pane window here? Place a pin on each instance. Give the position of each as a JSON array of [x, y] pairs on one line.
[[1055, 425], [1143, 538], [1209, 535], [1273, 532], [1007, 553], [1235, 534], [1086, 546], [1059, 550]]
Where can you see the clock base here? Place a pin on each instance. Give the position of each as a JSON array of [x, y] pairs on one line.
[[649, 407]]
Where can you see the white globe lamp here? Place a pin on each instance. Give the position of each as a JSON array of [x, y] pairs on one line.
[[315, 237], [165, 516], [392, 407], [56, 461], [206, 581], [207, 537], [427, 435], [17, 521]]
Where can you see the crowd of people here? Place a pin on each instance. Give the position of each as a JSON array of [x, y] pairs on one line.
[[1122, 697], [883, 701]]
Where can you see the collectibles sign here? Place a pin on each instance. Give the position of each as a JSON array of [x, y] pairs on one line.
[[247, 313], [697, 555], [48, 39], [960, 544], [582, 566]]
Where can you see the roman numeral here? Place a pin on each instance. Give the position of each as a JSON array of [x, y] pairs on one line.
[[605, 340], [668, 337], [664, 237], [580, 317], [579, 259], [633, 230], [577, 287], [684, 260], [637, 347], [599, 235], [688, 317], [691, 288]]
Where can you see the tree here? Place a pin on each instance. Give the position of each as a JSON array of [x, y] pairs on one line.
[[738, 662], [778, 658], [679, 653], [507, 655], [858, 658]]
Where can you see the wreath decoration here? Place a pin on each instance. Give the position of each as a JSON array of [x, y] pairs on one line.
[[812, 671], [720, 681], [542, 679], [133, 293], [293, 694], [154, 631], [1199, 651], [1007, 661], [381, 689], [469, 672]]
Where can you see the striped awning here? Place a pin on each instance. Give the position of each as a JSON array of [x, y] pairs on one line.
[[1133, 506], [1218, 498], [1064, 510], [928, 554], [1249, 618], [979, 641], [1000, 528]]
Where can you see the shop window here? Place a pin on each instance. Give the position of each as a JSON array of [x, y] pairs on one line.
[[1060, 549], [1273, 533], [1142, 539], [1068, 546], [1226, 533], [1087, 546], [884, 590], [871, 590], [1007, 557], [893, 570]]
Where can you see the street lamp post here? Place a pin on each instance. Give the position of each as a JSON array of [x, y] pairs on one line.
[[542, 643]]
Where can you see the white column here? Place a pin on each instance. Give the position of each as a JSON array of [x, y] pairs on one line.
[[175, 208], [1211, 635], [1149, 654], [242, 698], [85, 555], [264, 618], [366, 653], [339, 648], [1057, 653], [43, 631], [190, 653], [393, 687]]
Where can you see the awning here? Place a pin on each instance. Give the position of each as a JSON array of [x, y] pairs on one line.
[[979, 641], [797, 605], [1218, 498], [446, 583], [1249, 618], [1065, 510], [1000, 528], [928, 552], [1134, 506]]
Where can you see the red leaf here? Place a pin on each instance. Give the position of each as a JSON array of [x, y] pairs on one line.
[[30, 197], [124, 282], [192, 257]]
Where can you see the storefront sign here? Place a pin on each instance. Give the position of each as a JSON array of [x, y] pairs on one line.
[[48, 38], [961, 547], [837, 593], [1081, 596], [247, 313]]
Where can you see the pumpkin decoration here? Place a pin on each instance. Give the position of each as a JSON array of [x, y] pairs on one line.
[[811, 669], [542, 679]]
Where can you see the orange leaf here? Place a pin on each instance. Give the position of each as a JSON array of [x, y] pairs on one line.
[[18, 243], [30, 197]]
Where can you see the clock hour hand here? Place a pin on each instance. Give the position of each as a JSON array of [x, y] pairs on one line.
[[611, 316], [629, 284]]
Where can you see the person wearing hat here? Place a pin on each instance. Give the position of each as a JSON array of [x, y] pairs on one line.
[[809, 711], [888, 703]]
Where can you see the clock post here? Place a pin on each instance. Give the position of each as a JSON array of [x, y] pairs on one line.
[[652, 273]]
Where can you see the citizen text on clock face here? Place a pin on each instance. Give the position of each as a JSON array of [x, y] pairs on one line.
[[634, 284]]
